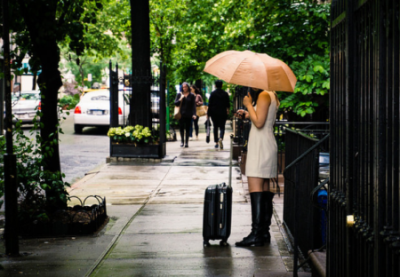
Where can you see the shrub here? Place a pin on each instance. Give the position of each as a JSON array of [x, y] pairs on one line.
[[132, 134], [32, 179], [70, 100]]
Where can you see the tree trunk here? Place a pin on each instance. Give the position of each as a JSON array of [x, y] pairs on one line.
[[34, 80], [82, 76], [46, 49], [140, 110], [50, 82]]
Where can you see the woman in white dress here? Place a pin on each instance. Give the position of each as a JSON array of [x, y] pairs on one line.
[[261, 162]]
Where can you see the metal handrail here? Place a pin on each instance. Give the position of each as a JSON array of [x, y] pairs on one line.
[[305, 153], [296, 163], [279, 122]]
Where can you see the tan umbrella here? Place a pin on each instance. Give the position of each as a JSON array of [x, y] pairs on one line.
[[251, 69]]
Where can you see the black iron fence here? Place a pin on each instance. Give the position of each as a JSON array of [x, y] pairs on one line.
[[301, 218], [364, 208], [154, 112]]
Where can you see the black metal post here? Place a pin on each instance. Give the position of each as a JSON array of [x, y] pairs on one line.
[[1, 105], [113, 100], [114, 97], [10, 172], [140, 109], [162, 103], [167, 104], [349, 129], [296, 201], [380, 165]]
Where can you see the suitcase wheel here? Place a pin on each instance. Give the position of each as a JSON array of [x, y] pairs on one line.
[[223, 243], [206, 243]]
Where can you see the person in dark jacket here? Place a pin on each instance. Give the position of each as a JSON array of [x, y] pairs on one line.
[[188, 111], [218, 110]]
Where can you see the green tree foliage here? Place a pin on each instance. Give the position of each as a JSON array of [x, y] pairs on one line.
[[104, 41], [39, 27], [164, 16], [95, 63], [87, 65], [293, 31], [298, 34]]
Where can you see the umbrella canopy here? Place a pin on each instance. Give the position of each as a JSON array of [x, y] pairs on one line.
[[251, 69]]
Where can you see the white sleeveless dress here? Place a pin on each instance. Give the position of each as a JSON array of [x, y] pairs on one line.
[[262, 150]]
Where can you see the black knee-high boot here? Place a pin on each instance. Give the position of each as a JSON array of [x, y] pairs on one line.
[[269, 211], [256, 236]]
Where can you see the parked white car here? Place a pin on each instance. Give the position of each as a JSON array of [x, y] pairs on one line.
[[94, 110], [24, 106]]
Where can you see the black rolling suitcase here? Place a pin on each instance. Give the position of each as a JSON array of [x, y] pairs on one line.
[[218, 210]]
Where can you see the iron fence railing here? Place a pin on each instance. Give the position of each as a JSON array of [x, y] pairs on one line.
[[301, 218], [153, 113], [315, 129], [365, 139]]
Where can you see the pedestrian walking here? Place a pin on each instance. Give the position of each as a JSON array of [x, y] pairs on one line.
[[199, 102], [218, 110], [261, 163], [187, 100]]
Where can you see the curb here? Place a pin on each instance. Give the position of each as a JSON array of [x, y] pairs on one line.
[[83, 180]]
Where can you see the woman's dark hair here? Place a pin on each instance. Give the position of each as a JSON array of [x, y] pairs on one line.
[[254, 95], [196, 89], [256, 92]]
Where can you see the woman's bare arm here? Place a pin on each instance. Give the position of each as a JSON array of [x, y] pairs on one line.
[[259, 116]]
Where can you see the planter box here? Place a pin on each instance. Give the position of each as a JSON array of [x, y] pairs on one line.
[[79, 220], [125, 150]]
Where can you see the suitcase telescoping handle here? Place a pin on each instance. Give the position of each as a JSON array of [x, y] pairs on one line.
[[230, 163]]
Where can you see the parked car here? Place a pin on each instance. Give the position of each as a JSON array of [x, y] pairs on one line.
[[94, 110], [324, 161], [95, 88], [24, 106], [155, 104]]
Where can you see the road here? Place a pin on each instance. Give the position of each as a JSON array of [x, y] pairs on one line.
[[83, 153]]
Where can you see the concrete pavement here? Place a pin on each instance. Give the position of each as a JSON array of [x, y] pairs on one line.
[[155, 228]]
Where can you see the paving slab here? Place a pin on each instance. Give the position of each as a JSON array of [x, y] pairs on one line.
[[66, 256], [166, 240], [155, 228], [169, 184]]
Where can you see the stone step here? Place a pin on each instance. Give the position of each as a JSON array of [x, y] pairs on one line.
[[318, 263]]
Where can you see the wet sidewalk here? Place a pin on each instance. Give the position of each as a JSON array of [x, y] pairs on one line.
[[155, 227]]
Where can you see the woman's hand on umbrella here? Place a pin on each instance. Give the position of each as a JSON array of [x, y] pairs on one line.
[[247, 100]]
